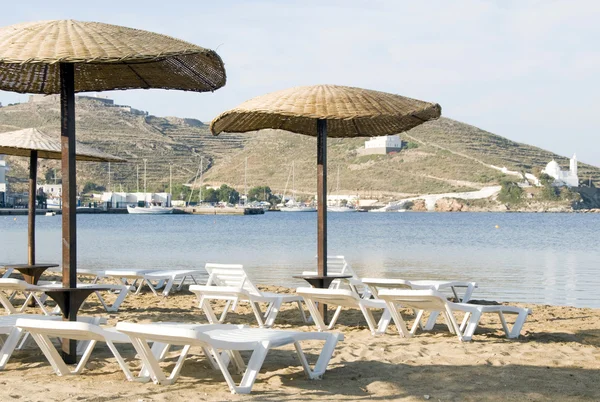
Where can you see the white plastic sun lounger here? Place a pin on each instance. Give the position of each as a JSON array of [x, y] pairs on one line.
[[13, 286], [165, 279], [344, 298], [230, 282], [467, 288], [13, 334], [433, 301], [223, 343], [41, 330], [337, 265], [32, 291]]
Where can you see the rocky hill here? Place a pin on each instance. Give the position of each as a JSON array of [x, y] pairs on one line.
[[443, 155]]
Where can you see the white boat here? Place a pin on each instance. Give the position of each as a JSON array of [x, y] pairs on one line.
[[297, 208], [339, 207], [292, 205], [50, 213], [149, 209]]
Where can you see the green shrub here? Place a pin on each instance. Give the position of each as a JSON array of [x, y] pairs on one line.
[[510, 193]]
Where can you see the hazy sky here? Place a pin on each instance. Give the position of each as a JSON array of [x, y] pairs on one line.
[[526, 70]]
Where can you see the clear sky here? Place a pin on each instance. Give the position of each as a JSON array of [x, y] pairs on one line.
[[526, 70]]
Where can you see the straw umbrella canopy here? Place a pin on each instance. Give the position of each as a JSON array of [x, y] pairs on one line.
[[327, 110], [34, 144], [68, 56]]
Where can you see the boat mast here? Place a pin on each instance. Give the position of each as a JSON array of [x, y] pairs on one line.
[[293, 183], [145, 194], [201, 174], [245, 182]]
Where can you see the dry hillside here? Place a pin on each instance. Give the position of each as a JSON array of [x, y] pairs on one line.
[[446, 155]]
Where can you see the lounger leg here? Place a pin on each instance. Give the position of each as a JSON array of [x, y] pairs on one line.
[[225, 311], [472, 324], [120, 360], [252, 370], [208, 311], [335, 317], [257, 314], [398, 320], [433, 315], [384, 321], [518, 325], [9, 346], [7, 304], [168, 287], [274, 310], [304, 318], [120, 298], [369, 317], [314, 313], [57, 363], [322, 361]]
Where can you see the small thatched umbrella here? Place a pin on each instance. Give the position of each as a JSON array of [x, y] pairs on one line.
[[67, 56], [35, 144], [327, 110]]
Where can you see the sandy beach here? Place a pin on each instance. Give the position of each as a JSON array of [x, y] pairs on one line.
[[557, 357]]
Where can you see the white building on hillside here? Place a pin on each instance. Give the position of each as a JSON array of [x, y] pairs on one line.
[[383, 144], [563, 178]]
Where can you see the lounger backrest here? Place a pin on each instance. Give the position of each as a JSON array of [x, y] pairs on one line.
[[230, 275], [427, 300]]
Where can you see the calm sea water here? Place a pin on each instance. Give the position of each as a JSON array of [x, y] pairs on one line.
[[537, 258]]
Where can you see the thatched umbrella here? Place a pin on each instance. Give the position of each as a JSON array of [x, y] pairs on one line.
[[35, 144], [67, 56], [327, 110]]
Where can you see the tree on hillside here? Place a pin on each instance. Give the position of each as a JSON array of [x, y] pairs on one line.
[[50, 175], [260, 193], [180, 192], [510, 193], [209, 194], [228, 194], [549, 191], [90, 186]]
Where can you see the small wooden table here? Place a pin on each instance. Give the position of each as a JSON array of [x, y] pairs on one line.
[[31, 273], [69, 300], [322, 282]]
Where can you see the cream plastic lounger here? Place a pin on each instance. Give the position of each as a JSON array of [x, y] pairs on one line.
[[30, 291], [13, 334], [14, 286], [433, 301], [223, 342], [344, 298], [42, 330], [337, 265], [231, 283], [165, 279]]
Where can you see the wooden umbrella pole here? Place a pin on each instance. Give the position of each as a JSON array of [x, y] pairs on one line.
[[322, 205], [31, 210], [69, 237]]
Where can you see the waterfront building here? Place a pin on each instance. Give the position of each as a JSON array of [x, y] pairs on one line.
[[3, 186], [563, 178]]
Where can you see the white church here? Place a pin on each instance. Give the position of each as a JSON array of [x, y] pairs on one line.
[[563, 178]]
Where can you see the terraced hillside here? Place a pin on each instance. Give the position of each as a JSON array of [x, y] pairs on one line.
[[128, 133], [444, 155]]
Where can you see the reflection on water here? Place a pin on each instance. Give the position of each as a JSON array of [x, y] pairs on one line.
[[538, 258]]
